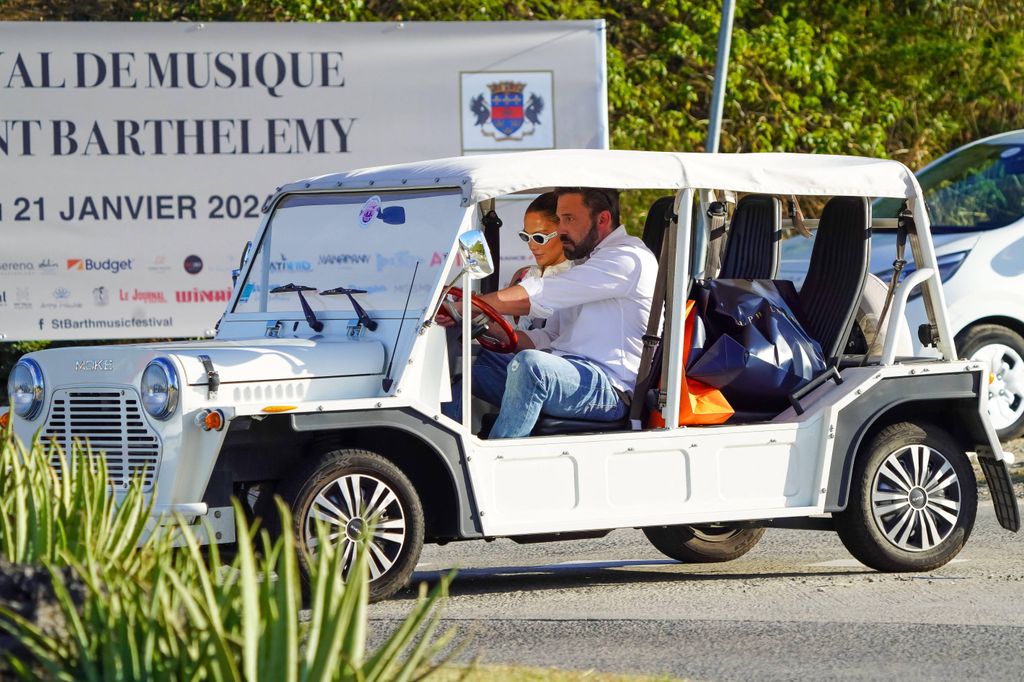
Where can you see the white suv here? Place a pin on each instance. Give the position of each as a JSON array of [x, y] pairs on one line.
[[975, 199], [325, 381]]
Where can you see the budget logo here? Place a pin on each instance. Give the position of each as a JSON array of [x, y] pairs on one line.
[[110, 265], [507, 110]]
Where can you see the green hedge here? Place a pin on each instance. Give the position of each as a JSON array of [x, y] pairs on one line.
[[906, 80]]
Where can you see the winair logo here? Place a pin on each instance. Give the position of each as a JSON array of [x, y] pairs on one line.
[[203, 296], [109, 265], [94, 365]]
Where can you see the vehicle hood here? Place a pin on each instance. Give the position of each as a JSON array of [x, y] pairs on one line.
[[235, 361], [883, 247], [274, 359]]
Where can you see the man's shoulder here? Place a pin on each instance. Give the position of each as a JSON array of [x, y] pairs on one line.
[[627, 243]]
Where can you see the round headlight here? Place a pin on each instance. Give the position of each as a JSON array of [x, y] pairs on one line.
[[25, 389], [160, 388]]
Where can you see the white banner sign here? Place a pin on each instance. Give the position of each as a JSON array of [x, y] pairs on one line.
[[136, 157]]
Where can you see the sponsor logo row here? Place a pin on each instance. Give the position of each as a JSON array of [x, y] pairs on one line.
[[193, 265], [20, 298]]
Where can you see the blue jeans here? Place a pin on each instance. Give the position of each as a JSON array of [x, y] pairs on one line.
[[489, 370], [532, 382]]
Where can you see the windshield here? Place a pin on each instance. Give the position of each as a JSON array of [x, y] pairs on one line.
[[979, 188], [362, 241]]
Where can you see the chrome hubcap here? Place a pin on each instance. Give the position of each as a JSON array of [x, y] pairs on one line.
[[1006, 383], [915, 498], [359, 508]]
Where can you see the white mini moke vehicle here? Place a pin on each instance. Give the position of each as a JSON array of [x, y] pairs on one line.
[[325, 380]]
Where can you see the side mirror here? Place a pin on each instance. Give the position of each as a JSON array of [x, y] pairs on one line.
[[246, 252], [476, 257]]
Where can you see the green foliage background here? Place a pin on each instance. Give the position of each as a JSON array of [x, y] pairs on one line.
[[907, 80]]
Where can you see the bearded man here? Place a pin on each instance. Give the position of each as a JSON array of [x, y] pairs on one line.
[[590, 368]]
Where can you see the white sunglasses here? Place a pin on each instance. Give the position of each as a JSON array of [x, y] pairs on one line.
[[537, 237]]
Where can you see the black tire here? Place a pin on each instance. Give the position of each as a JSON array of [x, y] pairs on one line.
[[902, 516], [703, 544], [335, 476], [1002, 350]]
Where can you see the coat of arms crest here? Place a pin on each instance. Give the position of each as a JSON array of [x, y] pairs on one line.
[[508, 111]]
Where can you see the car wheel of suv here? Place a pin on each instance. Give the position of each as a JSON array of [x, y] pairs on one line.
[[703, 544], [362, 497], [913, 500], [1001, 350]]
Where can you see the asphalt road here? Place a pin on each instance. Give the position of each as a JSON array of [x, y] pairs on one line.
[[797, 607]]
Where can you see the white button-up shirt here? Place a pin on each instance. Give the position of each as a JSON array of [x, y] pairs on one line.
[[527, 323], [603, 306]]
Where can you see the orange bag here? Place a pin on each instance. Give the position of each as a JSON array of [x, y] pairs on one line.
[[699, 403]]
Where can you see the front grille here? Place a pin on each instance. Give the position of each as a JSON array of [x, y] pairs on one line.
[[112, 423]]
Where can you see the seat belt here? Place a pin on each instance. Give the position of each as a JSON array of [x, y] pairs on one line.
[[797, 216], [717, 213], [652, 338], [904, 225]]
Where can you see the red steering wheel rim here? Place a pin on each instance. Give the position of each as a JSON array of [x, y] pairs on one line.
[[489, 342]]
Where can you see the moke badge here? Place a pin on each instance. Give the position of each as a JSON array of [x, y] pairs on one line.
[[94, 365], [369, 210]]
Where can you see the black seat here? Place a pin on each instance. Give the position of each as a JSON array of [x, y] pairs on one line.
[[755, 231], [657, 220], [836, 272], [557, 426]]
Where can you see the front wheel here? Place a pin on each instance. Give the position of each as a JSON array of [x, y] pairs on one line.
[[362, 497], [913, 500], [703, 544]]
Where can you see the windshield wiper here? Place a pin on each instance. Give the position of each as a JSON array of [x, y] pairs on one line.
[[316, 324], [364, 319]]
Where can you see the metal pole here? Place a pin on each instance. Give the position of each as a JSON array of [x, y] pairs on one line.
[[721, 68]]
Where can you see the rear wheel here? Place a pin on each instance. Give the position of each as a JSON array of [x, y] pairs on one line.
[[362, 498], [707, 543], [1001, 351], [913, 500]]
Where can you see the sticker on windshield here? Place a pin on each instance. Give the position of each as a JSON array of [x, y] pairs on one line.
[[369, 210]]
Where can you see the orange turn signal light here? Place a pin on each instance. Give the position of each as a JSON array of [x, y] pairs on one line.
[[279, 408], [5, 419], [210, 420]]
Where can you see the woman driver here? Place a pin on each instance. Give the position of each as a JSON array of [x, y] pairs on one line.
[[540, 232]]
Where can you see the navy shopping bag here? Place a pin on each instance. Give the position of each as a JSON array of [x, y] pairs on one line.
[[753, 347]]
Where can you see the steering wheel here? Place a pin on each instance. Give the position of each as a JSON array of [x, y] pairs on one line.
[[489, 328]]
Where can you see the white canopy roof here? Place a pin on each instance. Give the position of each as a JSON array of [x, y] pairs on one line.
[[494, 175]]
